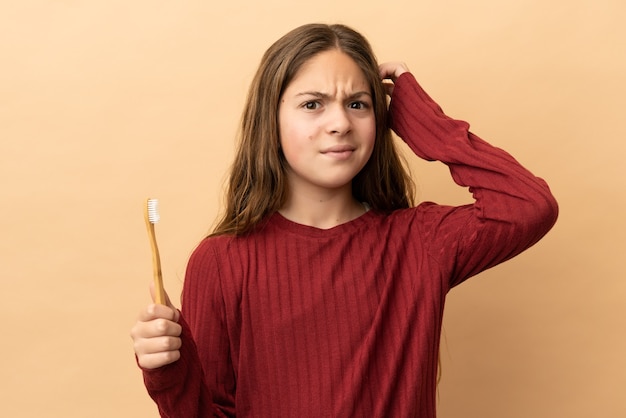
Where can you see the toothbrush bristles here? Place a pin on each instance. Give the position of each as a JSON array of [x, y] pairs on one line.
[[153, 211]]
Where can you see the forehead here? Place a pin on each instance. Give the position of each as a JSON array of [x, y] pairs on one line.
[[330, 70]]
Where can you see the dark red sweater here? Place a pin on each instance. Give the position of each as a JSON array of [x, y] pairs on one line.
[[294, 321]]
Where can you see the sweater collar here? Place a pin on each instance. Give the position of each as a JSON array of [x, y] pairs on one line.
[[276, 220]]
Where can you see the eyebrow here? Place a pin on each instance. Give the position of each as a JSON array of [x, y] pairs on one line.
[[326, 96]]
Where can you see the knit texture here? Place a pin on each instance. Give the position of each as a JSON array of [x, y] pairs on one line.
[[295, 321]]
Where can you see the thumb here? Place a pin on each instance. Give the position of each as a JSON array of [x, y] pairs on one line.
[[167, 303]]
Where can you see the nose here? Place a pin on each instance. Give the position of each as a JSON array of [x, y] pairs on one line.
[[339, 122]]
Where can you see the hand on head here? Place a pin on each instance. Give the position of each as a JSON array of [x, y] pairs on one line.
[[391, 71], [156, 335]]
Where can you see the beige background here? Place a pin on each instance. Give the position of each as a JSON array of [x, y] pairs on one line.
[[106, 102]]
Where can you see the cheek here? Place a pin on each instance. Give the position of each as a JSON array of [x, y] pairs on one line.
[[296, 134], [290, 144], [371, 133]]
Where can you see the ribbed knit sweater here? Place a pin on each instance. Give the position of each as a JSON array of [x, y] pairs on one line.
[[295, 321]]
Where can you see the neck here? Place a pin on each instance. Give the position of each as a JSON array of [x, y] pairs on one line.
[[322, 209]]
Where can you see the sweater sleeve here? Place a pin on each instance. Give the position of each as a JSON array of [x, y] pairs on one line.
[[513, 209], [197, 385]]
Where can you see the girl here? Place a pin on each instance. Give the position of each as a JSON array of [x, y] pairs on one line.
[[321, 291]]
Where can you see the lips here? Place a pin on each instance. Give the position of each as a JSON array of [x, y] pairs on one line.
[[338, 149], [339, 152]]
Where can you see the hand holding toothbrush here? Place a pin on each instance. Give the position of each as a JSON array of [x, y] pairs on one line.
[[156, 334]]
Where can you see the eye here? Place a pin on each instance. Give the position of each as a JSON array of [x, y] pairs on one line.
[[358, 105], [311, 105]]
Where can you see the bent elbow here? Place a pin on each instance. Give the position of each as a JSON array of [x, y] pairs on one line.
[[541, 215]]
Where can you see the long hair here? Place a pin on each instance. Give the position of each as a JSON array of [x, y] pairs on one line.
[[257, 184]]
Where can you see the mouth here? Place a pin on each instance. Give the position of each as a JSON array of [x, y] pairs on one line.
[[339, 152], [338, 149]]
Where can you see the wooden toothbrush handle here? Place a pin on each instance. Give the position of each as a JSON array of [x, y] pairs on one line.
[[159, 291]]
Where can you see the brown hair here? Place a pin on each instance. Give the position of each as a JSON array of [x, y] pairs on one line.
[[258, 183]]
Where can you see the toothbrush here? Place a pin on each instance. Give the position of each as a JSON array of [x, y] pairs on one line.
[[152, 217]]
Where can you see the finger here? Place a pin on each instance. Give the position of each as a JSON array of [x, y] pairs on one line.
[[392, 70], [156, 360], [157, 311], [150, 337], [386, 70], [155, 345], [166, 327]]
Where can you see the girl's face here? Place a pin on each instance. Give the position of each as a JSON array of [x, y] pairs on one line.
[[326, 123]]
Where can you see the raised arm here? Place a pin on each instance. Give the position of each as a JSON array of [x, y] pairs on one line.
[[513, 208]]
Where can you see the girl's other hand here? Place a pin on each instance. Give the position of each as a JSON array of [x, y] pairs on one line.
[[156, 335], [391, 71]]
